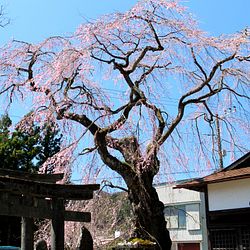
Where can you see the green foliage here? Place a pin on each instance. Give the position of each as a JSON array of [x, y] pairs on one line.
[[141, 242], [50, 142], [27, 150], [5, 123], [133, 243]]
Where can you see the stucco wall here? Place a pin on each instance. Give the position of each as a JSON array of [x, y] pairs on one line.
[[229, 195], [195, 230], [168, 195]]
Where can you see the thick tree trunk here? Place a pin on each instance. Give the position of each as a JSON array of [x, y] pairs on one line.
[[138, 173], [149, 211]]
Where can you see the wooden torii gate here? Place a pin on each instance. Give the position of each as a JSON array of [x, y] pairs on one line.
[[38, 196]]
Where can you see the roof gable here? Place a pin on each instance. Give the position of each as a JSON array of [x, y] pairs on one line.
[[242, 162], [239, 169]]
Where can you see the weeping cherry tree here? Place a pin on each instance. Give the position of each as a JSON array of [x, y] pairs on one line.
[[152, 53]]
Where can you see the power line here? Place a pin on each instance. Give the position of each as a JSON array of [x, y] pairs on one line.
[[160, 174]]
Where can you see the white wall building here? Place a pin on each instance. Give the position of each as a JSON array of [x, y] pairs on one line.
[[227, 193], [185, 216]]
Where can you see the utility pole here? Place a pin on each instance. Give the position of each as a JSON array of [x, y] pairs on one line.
[[217, 124], [218, 131]]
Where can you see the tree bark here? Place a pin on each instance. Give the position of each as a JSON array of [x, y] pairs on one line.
[[148, 211], [138, 173]]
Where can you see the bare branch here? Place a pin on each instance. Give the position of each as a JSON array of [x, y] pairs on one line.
[[109, 184]]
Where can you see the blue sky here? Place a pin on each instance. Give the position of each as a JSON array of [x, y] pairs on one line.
[[33, 20]]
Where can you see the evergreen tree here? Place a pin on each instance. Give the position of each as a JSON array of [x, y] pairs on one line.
[[27, 150], [5, 123], [49, 141]]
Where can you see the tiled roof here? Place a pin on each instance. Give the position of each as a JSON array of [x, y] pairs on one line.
[[242, 162], [221, 176]]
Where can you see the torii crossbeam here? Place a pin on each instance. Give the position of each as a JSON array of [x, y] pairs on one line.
[[38, 196]]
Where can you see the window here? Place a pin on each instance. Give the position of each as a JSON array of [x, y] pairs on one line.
[[181, 216], [230, 239], [224, 239], [175, 216], [193, 216]]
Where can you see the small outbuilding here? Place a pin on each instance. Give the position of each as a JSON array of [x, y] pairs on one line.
[[185, 216]]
